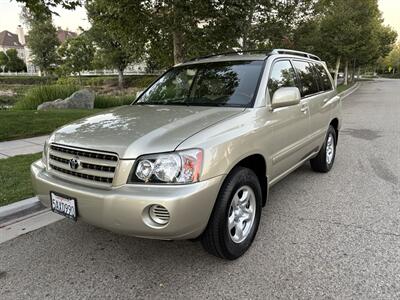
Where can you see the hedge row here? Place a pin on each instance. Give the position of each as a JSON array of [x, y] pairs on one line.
[[139, 81], [27, 80], [395, 75]]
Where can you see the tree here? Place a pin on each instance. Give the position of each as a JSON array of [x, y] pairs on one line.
[[118, 32], [3, 61], [348, 31], [171, 30], [391, 63], [43, 43], [14, 63], [41, 7], [76, 55], [271, 24]]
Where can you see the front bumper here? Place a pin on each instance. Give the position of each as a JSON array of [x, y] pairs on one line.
[[124, 209]]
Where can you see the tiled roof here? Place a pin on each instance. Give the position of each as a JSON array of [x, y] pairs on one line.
[[64, 35], [8, 39]]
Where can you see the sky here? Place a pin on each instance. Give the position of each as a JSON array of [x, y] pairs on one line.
[[10, 12], [10, 16]]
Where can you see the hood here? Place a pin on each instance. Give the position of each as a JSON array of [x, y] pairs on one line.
[[131, 131]]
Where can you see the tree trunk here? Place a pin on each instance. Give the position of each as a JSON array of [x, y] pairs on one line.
[[337, 70], [178, 46], [80, 78], [359, 73], [353, 71], [346, 73], [120, 78]]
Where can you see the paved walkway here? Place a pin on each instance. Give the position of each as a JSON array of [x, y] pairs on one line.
[[20, 147]]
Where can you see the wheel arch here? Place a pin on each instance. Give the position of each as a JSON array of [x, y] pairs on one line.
[[257, 163], [335, 124]]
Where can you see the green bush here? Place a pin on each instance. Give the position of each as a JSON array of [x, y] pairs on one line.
[[44, 93], [395, 75], [68, 81], [104, 101], [140, 81], [29, 80]]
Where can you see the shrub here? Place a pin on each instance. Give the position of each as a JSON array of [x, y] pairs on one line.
[[29, 80], [105, 101], [137, 81], [140, 81], [44, 93], [395, 75], [68, 81]]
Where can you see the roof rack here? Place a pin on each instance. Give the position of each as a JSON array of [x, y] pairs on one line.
[[294, 52], [263, 51], [238, 52]]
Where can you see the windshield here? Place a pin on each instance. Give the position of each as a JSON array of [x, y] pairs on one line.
[[212, 84]]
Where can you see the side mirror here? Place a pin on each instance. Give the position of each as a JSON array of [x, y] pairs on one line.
[[285, 96]]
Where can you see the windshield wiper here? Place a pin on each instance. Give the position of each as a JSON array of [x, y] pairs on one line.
[[165, 102], [218, 104]]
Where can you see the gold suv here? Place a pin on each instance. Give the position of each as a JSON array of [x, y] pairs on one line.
[[195, 154]]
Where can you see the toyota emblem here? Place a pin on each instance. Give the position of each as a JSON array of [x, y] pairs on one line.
[[74, 163]]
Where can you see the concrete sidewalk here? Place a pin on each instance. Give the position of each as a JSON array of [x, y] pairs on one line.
[[20, 147]]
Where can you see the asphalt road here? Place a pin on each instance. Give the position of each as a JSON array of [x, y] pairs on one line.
[[335, 235]]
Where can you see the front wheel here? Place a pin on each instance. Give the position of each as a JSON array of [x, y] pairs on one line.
[[236, 215], [323, 162]]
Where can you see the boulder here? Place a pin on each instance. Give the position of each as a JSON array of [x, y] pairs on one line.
[[82, 99]]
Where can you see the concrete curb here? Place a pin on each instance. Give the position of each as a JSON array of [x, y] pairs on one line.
[[18, 207], [349, 91]]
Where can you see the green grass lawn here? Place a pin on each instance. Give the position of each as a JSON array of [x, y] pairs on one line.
[[341, 88], [29, 123], [15, 178]]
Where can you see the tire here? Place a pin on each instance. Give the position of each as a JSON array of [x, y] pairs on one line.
[[218, 239], [323, 162]]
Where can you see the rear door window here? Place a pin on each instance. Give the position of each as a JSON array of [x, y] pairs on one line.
[[325, 81], [308, 81], [282, 75]]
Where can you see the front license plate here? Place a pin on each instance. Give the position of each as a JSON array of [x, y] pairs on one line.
[[63, 205]]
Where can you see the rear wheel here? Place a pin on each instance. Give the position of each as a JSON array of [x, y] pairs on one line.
[[323, 162], [236, 215]]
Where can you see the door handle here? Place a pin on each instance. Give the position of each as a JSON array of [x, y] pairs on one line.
[[304, 109]]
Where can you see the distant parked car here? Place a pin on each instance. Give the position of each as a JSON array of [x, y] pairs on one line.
[[195, 155]]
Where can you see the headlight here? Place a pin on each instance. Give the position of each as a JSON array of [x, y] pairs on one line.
[[175, 167]]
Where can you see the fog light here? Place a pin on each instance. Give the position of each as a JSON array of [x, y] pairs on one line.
[[159, 214]]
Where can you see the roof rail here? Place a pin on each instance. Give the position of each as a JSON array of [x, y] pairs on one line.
[[238, 52], [294, 52]]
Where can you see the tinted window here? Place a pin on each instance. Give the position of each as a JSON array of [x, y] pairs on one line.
[[282, 75], [325, 81], [211, 84], [308, 82]]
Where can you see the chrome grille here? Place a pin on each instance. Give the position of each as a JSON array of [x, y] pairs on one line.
[[94, 167]]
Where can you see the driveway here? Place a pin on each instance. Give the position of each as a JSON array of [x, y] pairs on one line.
[[333, 235]]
